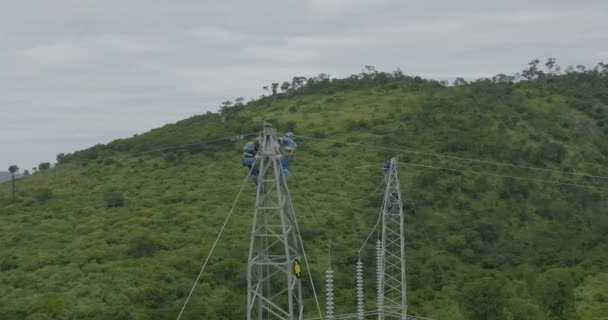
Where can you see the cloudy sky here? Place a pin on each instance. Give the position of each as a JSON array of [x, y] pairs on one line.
[[76, 73]]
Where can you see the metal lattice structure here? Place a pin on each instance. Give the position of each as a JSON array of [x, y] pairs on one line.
[[379, 277], [274, 289], [392, 283]]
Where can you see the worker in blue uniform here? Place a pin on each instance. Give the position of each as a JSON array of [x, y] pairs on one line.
[[250, 150], [386, 168], [289, 144]]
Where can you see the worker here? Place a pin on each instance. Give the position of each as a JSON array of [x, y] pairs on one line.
[[386, 168], [284, 165], [250, 151], [288, 141], [393, 201], [290, 145]]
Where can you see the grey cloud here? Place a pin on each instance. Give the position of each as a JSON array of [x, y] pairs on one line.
[[76, 73]]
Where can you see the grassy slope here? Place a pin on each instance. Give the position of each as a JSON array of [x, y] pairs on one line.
[[71, 257]]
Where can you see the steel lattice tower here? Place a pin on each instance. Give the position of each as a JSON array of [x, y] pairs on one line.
[[274, 288], [392, 284]]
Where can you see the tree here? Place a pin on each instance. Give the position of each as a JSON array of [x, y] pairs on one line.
[[26, 172], [581, 68], [60, 158], [225, 107], [43, 195], [522, 309], [13, 169], [238, 102], [555, 290], [297, 82], [552, 151], [484, 299], [324, 77], [114, 199], [460, 82], [291, 125], [44, 166], [142, 246], [274, 86], [398, 74], [601, 68], [532, 72], [552, 66], [502, 78], [285, 86], [369, 71]]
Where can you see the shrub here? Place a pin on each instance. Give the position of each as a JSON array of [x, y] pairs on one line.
[[319, 134], [552, 151], [43, 195], [378, 122], [380, 130], [44, 166], [291, 126], [484, 298], [142, 246], [114, 199]]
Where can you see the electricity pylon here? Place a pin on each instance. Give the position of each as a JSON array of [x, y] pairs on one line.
[[392, 284], [274, 270]]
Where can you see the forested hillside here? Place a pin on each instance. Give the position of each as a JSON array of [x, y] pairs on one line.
[[504, 179]]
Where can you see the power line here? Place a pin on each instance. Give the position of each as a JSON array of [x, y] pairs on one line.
[[367, 196], [374, 228], [484, 173], [171, 147], [110, 204], [490, 174], [359, 167], [157, 150], [503, 176], [343, 246], [217, 239], [340, 170], [312, 283], [97, 205], [460, 158], [371, 232]]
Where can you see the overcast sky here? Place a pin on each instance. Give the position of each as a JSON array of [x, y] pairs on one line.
[[76, 73]]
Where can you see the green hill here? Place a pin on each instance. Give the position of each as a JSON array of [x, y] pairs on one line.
[[505, 185]]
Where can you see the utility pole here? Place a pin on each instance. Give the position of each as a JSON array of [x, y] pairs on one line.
[[274, 289], [391, 273]]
